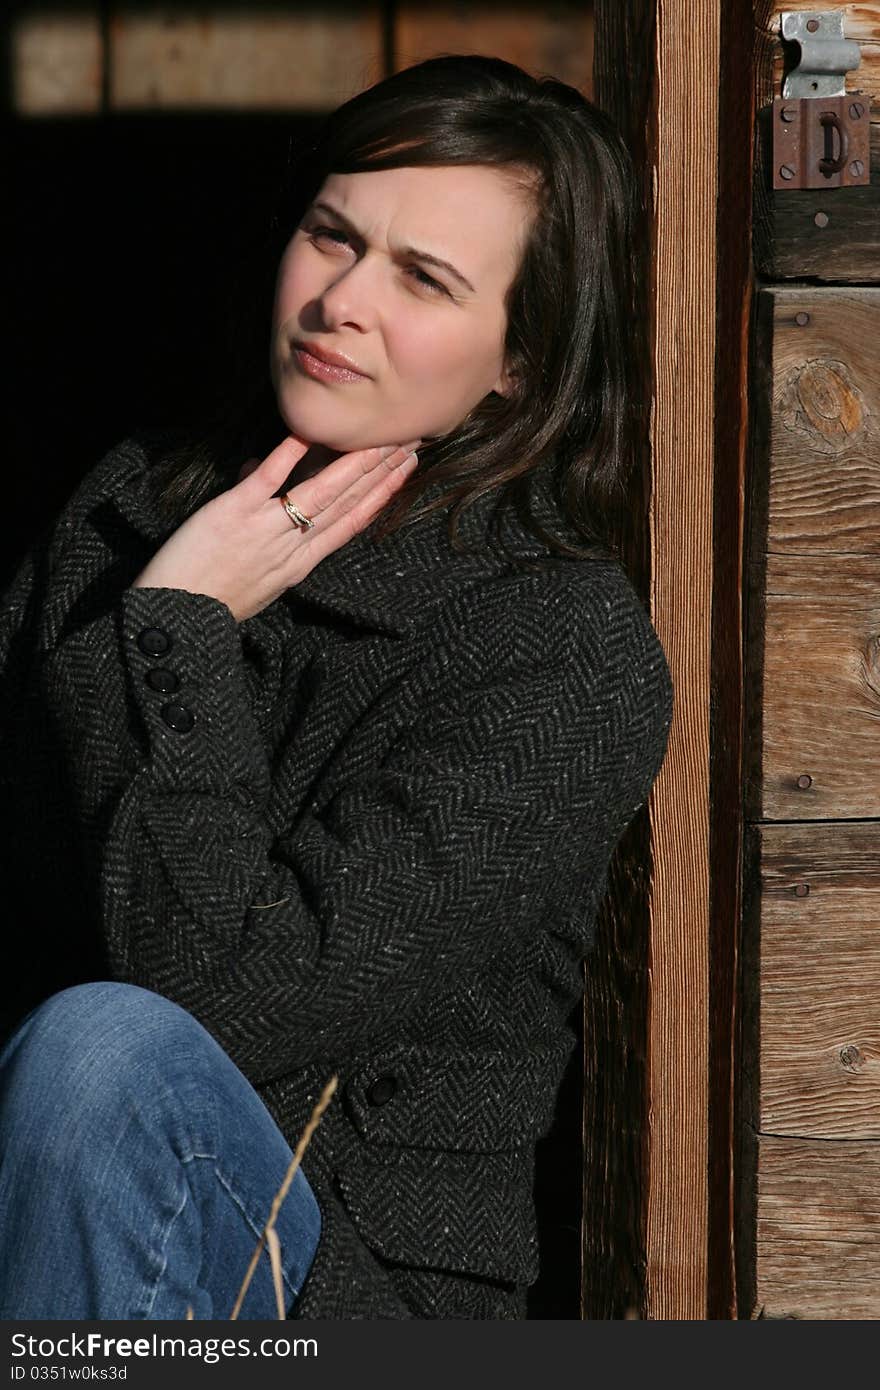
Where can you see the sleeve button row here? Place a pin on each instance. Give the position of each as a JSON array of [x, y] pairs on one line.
[[159, 678], [178, 717], [154, 641]]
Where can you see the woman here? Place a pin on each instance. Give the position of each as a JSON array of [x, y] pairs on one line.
[[318, 751]]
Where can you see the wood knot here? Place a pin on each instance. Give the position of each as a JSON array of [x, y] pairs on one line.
[[852, 1057], [830, 404]]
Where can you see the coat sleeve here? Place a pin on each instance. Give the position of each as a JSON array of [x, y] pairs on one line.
[[306, 947]]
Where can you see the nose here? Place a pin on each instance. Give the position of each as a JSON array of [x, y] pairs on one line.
[[351, 298]]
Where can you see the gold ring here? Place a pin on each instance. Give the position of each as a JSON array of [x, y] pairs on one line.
[[294, 512]]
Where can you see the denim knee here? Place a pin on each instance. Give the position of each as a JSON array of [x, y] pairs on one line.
[[104, 1029]]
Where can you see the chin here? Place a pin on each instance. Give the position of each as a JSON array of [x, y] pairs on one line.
[[320, 423]]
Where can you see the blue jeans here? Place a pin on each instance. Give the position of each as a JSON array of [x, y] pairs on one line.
[[138, 1167]]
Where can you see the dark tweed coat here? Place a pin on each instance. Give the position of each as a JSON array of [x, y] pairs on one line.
[[364, 832]]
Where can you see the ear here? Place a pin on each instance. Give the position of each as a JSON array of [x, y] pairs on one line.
[[506, 381]]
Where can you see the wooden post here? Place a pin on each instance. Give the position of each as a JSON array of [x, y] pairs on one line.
[[656, 72]]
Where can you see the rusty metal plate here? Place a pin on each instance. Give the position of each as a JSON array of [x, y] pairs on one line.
[[821, 142]]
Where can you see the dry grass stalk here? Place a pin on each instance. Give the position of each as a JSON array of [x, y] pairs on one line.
[[269, 1229], [274, 1245]]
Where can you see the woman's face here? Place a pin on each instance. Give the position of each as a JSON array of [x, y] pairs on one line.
[[429, 342]]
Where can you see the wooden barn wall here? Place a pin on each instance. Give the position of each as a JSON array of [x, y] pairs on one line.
[[809, 1230]]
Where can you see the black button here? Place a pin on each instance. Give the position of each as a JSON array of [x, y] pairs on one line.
[[160, 678], [382, 1089], [178, 717], [154, 641]]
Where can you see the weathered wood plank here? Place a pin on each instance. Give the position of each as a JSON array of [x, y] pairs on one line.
[[56, 62], [554, 40], [824, 444], [813, 673], [813, 658], [307, 58], [817, 1243], [820, 979]]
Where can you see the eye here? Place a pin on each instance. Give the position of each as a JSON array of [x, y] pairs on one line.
[[428, 281], [316, 232], [422, 278]]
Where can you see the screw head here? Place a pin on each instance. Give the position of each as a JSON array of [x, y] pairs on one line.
[[857, 110], [804, 781], [801, 319], [786, 171], [788, 113], [821, 219], [857, 168], [812, 25], [802, 890]]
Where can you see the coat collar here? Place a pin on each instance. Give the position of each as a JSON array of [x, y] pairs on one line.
[[393, 584], [396, 583]]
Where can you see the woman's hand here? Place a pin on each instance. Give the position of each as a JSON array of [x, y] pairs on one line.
[[242, 547]]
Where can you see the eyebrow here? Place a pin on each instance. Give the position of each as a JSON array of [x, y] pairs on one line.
[[406, 250]]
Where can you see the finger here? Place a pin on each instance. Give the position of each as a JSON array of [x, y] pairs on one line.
[[348, 520], [363, 487], [274, 470], [316, 495]]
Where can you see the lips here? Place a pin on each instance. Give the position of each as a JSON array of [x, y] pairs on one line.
[[333, 359]]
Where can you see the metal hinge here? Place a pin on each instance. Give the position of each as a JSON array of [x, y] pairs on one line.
[[821, 132]]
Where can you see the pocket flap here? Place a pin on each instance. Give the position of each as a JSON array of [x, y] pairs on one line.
[[464, 1212]]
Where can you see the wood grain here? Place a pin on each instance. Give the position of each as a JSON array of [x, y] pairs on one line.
[[685, 296], [818, 1230], [814, 691], [820, 980], [824, 484], [813, 661], [682, 192]]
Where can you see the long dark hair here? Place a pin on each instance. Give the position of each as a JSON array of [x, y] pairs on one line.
[[574, 314]]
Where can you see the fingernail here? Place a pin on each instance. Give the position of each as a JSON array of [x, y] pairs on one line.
[[413, 444], [411, 457]]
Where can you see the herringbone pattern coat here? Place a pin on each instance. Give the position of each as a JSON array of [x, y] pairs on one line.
[[372, 844]]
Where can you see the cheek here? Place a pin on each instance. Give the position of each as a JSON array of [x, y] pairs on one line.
[[442, 365], [428, 351]]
